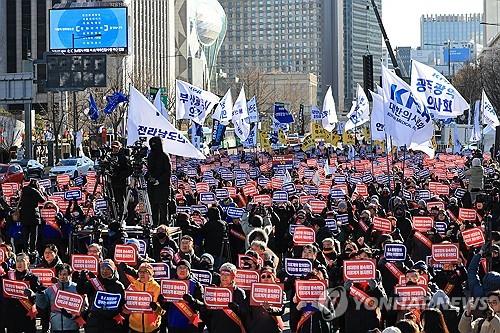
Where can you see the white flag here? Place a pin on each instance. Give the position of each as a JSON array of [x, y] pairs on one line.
[[240, 109], [360, 113], [439, 96], [144, 121], [192, 102], [377, 118], [241, 128], [329, 113], [425, 147], [406, 120], [490, 117], [253, 113], [159, 104], [476, 129], [224, 110]]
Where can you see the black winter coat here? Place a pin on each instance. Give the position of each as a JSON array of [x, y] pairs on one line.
[[30, 198]]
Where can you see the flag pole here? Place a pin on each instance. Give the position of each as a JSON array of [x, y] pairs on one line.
[[404, 162]]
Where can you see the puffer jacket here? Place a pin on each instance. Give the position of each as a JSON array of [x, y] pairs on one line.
[[480, 325], [46, 300], [146, 321], [476, 177]]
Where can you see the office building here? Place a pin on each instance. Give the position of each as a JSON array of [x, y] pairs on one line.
[[403, 56], [287, 36], [491, 28], [362, 36]]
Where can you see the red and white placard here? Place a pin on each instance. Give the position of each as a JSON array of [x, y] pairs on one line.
[[173, 290], [304, 235], [310, 290], [266, 293], [70, 302], [81, 262], [359, 270], [126, 254], [138, 301], [217, 298], [244, 278]]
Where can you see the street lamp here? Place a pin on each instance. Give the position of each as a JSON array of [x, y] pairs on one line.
[[449, 54], [75, 115]]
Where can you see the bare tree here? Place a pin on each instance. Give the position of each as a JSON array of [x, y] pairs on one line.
[[490, 77], [468, 82], [9, 130]]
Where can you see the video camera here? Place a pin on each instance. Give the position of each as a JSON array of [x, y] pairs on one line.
[[138, 153]]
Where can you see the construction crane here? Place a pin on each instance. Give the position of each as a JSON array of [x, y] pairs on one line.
[[386, 40]]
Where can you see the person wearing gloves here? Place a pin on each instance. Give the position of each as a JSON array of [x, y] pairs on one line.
[[106, 298], [489, 324], [20, 312], [123, 269], [234, 318], [143, 281], [60, 319], [182, 316]]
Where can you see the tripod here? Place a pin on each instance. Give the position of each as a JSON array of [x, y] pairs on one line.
[[225, 250], [102, 178], [137, 191]]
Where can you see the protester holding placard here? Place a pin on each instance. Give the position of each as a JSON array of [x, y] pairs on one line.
[[106, 298], [60, 318], [162, 239], [233, 318], [142, 280], [186, 251], [19, 307]]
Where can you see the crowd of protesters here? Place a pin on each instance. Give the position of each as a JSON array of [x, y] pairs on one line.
[[239, 213]]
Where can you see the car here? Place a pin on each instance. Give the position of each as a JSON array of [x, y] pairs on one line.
[[31, 168], [74, 166], [11, 173]]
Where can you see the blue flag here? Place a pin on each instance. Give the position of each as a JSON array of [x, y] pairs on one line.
[[218, 133], [113, 101], [281, 114], [93, 109]]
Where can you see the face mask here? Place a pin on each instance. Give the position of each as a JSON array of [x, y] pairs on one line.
[[205, 265], [161, 235]]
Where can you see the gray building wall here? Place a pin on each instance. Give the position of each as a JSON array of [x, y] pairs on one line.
[[362, 36], [492, 16]]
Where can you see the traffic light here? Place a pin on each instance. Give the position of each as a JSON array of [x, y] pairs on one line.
[[368, 75]]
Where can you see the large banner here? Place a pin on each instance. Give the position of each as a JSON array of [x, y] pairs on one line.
[[329, 113], [360, 111], [406, 119], [240, 117], [144, 121], [192, 102], [224, 110], [377, 118]]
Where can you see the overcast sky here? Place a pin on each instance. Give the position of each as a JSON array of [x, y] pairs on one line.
[[402, 17]]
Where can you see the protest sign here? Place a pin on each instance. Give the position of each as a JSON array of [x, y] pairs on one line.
[[297, 267], [81, 262], [466, 214], [217, 298], [382, 224], [221, 193], [445, 252], [343, 219], [173, 290], [107, 301], [394, 252], [310, 290], [359, 270], [266, 293], [317, 206], [264, 199], [161, 270], [126, 254], [280, 196], [62, 180], [72, 195], [235, 213], [203, 277], [331, 224], [435, 204], [68, 301], [202, 187], [208, 198], [473, 237], [14, 289], [45, 275], [304, 235], [423, 223], [244, 278], [138, 301], [410, 297]]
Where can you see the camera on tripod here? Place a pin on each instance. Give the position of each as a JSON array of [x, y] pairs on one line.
[[138, 152]]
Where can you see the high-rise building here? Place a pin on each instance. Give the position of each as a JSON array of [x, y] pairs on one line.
[[491, 19], [403, 56], [460, 32], [362, 36], [287, 36]]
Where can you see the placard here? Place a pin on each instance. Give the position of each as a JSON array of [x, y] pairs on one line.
[[244, 278], [410, 297], [264, 199], [343, 219], [138, 301], [280, 196], [459, 193], [266, 293], [174, 290], [235, 213], [161, 270], [331, 224], [73, 195], [304, 235], [442, 189], [422, 194], [445, 252], [217, 298], [221, 193], [70, 302], [203, 277], [436, 204], [359, 270], [45, 275], [317, 206], [303, 199], [202, 187], [126, 254], [381, 224], [289, 188], [62, 180], [395, 252], [14, 289], [362, 190], [466, 214], [81, 262], [207, 198], [423, 223], [473, 237], [48, 215], [107, 301], [297, 267], [310, 290]]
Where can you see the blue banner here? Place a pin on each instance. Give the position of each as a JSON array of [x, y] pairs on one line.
[[203, 277], [113, 101], [235, 213], [218, 131], [93, 109], [107, 301], [280, 196], [73, 195], [281, 114]]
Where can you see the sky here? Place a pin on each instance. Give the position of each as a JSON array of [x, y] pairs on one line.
[[401, 18]]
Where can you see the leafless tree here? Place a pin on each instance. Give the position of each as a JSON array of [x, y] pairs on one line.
[[489, 65]]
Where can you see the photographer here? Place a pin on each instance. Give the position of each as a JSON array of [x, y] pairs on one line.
[[121, 170], [159, 172]]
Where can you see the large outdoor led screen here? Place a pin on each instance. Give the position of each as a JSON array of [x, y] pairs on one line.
[[89, 30]]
